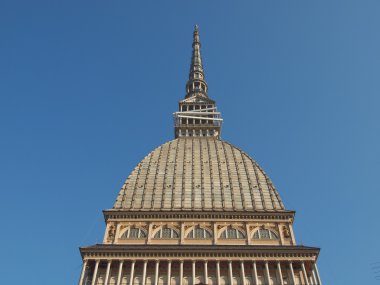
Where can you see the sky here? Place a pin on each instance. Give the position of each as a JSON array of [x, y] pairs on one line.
[[88, 88]]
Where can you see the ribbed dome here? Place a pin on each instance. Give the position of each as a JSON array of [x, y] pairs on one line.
[[198, 173]]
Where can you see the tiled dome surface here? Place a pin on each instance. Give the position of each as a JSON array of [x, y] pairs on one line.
[[198, 173]]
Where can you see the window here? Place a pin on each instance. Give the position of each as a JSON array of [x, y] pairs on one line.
[[232, 233], [265, 234], [199, 233], [134, 233], [166, 233]]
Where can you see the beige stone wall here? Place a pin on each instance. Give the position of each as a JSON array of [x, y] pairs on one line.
[[116, 229]]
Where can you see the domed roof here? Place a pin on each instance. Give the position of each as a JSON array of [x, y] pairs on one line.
[[198, 173]]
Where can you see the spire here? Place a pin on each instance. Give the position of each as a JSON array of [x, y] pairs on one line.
[[197, 115], [196, 85]]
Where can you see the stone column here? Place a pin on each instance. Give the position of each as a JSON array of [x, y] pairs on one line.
[[169, 271], [144, 272], [181, 273], [242, 272], [182, 233], [280, 273], [193, 272], [218, 272], [95, 272], [280, 230], [117, 232], [156, 273], [83, 273], [254, 270], [317, 274], [248, 234], [150, 230], [205, 272], [292, 273], [132, 271], [267, 272], [230, 272], [292, 235], [314, 276], [304, 273], [120, 271], [215, 233], [107, 272]]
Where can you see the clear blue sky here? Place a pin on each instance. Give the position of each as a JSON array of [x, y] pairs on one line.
[[88, 88]]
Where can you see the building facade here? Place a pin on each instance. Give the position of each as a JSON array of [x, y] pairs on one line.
[[198, 210]]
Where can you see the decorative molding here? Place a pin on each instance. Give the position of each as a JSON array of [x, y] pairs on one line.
[[250, 253], [111, 233], [118, 215], [285, 232]]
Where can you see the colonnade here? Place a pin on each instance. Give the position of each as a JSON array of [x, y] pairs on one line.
[[310, 276]]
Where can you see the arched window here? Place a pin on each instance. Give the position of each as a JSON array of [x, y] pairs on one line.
[[265, 234], [134, 233], [199, 233], [232, 233], [166, 233]]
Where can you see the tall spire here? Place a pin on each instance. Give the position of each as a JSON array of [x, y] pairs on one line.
[[196, 85], [197, 115]]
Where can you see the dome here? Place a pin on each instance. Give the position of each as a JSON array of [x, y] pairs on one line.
[[198, 174]]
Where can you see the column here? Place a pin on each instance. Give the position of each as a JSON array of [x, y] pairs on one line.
[[120, 271], [144, 272], [280, 273], [181, 273], [193, 271], [267, 272], [304, 273], [254, 270], [242, 272], [317, 274], [280, 230], [314, 276], [116, 232], [248, 234], [215, 233], [169, 271], [292, 272], [230, 271], [150, 230], [218, 271], [156, 273], [107, 272], [95, 272], [83, 272], [292, 235], [206, 272], [132, 272], [182, 233]]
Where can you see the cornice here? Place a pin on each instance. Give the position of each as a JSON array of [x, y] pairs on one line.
[[187, 252], [198, 215]]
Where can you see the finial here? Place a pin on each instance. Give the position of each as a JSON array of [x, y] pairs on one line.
[[196, 27]]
